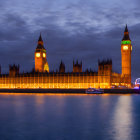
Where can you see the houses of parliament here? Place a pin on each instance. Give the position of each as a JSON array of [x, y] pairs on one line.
[[41, 77]]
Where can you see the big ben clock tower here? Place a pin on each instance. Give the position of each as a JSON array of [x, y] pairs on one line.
[[41, 64], [126, 49]]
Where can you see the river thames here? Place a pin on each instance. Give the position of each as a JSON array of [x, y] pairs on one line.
[[69, 117]]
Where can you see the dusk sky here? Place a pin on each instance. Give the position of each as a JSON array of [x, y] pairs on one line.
[[86, 30]]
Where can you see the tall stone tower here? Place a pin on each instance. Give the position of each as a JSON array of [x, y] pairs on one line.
[[41, 64], [126, 49]]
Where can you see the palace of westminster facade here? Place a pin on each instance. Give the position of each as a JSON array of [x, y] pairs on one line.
[[40, 77]]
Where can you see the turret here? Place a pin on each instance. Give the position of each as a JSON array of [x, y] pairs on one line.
[[13, 70], [105, 67], [77, 67], [104, 73], [62, 67]]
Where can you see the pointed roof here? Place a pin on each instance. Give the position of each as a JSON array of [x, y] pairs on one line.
[[126, 29], [40, 43], [126, 34], [62, 67], [62, 64], [77, 63], [40, 38]]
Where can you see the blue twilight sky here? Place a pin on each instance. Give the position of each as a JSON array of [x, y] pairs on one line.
[[86, 30]]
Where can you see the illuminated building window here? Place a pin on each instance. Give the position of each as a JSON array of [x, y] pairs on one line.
[[44, 55], [37, 54], [125, 47]]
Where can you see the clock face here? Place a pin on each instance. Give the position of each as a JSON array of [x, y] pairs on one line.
[[44, 55], [37, 54], [125, 47]]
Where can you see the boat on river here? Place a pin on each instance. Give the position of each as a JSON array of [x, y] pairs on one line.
[[94, 91]]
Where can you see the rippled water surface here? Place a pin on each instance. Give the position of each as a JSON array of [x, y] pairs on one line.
[[69, 117]]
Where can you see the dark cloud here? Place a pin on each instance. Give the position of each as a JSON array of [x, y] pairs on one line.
[[13, 29]]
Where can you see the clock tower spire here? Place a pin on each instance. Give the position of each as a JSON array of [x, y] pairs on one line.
[[126, 49]]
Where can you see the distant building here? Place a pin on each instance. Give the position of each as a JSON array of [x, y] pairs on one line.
[[40, 77]]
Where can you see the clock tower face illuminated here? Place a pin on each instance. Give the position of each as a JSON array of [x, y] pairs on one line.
[[126, 49], [41, 64], [44, 55], [37, 54]]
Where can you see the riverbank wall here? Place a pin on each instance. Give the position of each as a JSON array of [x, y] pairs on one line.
[[80, 91]]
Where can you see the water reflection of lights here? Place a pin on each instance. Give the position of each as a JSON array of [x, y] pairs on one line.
[[39, 100], [122, 118]]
